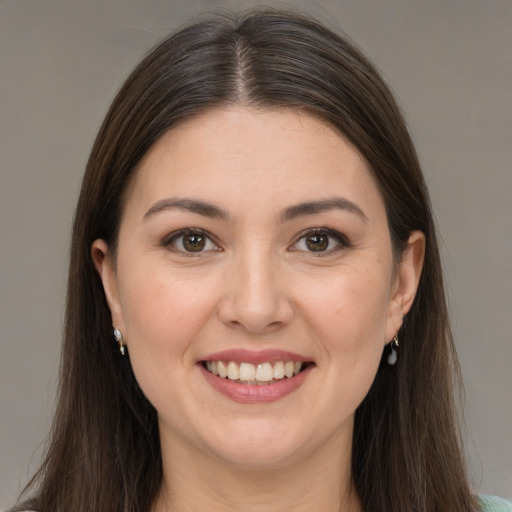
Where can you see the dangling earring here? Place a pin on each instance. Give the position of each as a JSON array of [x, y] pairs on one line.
[[119, 338], [393, 356]]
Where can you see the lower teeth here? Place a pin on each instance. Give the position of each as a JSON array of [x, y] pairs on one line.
[[256, 382]]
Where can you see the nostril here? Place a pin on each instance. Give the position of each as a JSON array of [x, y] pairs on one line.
[[274, 325]]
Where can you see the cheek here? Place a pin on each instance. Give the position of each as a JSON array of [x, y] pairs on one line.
[[347, 318], [163, 314], [163, 317], [348, 314]]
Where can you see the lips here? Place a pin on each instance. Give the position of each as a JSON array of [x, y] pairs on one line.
[[250, 377]]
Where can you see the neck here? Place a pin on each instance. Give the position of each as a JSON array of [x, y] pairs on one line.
[[193, 481]]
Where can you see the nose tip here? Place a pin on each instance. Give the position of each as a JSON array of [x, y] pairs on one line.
[[256, 302]]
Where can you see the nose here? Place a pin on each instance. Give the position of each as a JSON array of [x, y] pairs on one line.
[[255, 298]]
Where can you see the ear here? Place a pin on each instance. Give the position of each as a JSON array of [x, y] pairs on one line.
[[405, 283], [105, 268]]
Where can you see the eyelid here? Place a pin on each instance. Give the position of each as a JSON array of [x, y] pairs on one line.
[[342, 240], [175, 235]]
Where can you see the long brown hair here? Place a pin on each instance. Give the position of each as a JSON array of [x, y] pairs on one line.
[[104, 451]]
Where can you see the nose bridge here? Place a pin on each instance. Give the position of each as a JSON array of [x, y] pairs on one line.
[[255, 297]]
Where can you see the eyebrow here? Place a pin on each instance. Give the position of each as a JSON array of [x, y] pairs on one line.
[[190, 205], [315, 207], [214, 212]]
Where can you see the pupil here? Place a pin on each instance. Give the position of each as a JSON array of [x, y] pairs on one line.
[[317, 242], [193, 243]]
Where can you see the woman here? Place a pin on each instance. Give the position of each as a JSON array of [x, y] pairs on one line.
[[256, 317]]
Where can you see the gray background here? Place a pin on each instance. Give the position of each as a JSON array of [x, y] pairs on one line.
[[449, 62]]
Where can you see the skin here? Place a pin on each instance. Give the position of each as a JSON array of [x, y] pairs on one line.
[[256, 285]]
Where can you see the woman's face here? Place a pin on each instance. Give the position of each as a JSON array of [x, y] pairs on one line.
[[255, 243]]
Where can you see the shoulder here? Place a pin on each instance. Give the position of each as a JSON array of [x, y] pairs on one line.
[[494, 504]]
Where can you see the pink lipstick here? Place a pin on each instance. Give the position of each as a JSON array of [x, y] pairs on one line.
[[255, 377]]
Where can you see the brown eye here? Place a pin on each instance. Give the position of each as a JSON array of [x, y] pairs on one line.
[[190, 241], [193, 242], [317, 242], [322, 241]]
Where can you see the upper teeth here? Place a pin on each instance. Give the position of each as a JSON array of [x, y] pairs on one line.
[[247, 372]]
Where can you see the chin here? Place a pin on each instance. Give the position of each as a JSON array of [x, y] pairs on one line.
[[259, 458], [261, 446]]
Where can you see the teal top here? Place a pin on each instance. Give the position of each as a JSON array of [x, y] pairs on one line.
[[494, 504]]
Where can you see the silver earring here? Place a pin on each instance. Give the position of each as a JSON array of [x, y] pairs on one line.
[[119, 338], [393, 356]]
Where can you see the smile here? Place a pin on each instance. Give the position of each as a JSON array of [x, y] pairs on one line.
[[255, 377], [255, 374]]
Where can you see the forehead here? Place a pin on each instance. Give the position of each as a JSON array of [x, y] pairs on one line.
[[265, 155]]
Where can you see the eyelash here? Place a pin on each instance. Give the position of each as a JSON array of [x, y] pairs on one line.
[[341, 241], [173, 238]]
